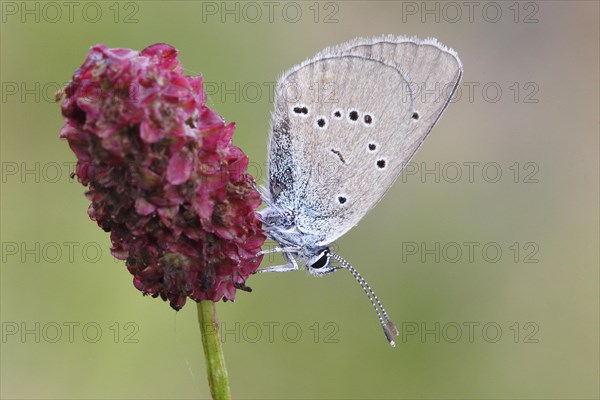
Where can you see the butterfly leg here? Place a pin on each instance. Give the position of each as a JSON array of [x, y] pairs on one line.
[[271, 250], [292, 265]]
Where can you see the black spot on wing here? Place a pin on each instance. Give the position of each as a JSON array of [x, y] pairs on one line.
[[339, 154]]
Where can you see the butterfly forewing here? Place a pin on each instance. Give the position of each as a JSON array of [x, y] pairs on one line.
[[341, 148], [345, 124], [433, 71]]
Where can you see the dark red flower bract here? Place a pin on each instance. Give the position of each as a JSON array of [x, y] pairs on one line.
[[163, 175]]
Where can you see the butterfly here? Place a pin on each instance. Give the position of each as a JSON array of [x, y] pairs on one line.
[[345, 124]]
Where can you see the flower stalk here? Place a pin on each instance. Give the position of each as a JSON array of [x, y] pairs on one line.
[[216, 370]]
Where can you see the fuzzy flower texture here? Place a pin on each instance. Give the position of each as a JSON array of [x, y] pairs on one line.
[[163, 176]]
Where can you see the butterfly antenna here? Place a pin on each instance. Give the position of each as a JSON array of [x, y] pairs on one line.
[[388, 326]]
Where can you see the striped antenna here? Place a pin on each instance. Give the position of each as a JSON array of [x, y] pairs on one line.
[[387, 325]]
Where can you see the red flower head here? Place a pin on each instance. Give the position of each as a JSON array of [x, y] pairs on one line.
[[163, 176]]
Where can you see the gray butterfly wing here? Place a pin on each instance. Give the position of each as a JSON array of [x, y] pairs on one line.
[[343, 129], [433, 70]]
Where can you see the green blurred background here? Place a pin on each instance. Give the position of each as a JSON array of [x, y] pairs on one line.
[[73, 325]]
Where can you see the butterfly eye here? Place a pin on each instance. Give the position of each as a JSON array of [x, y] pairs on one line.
[[321, 261]]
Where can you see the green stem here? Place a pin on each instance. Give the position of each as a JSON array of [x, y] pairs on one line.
[[213, 353]]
